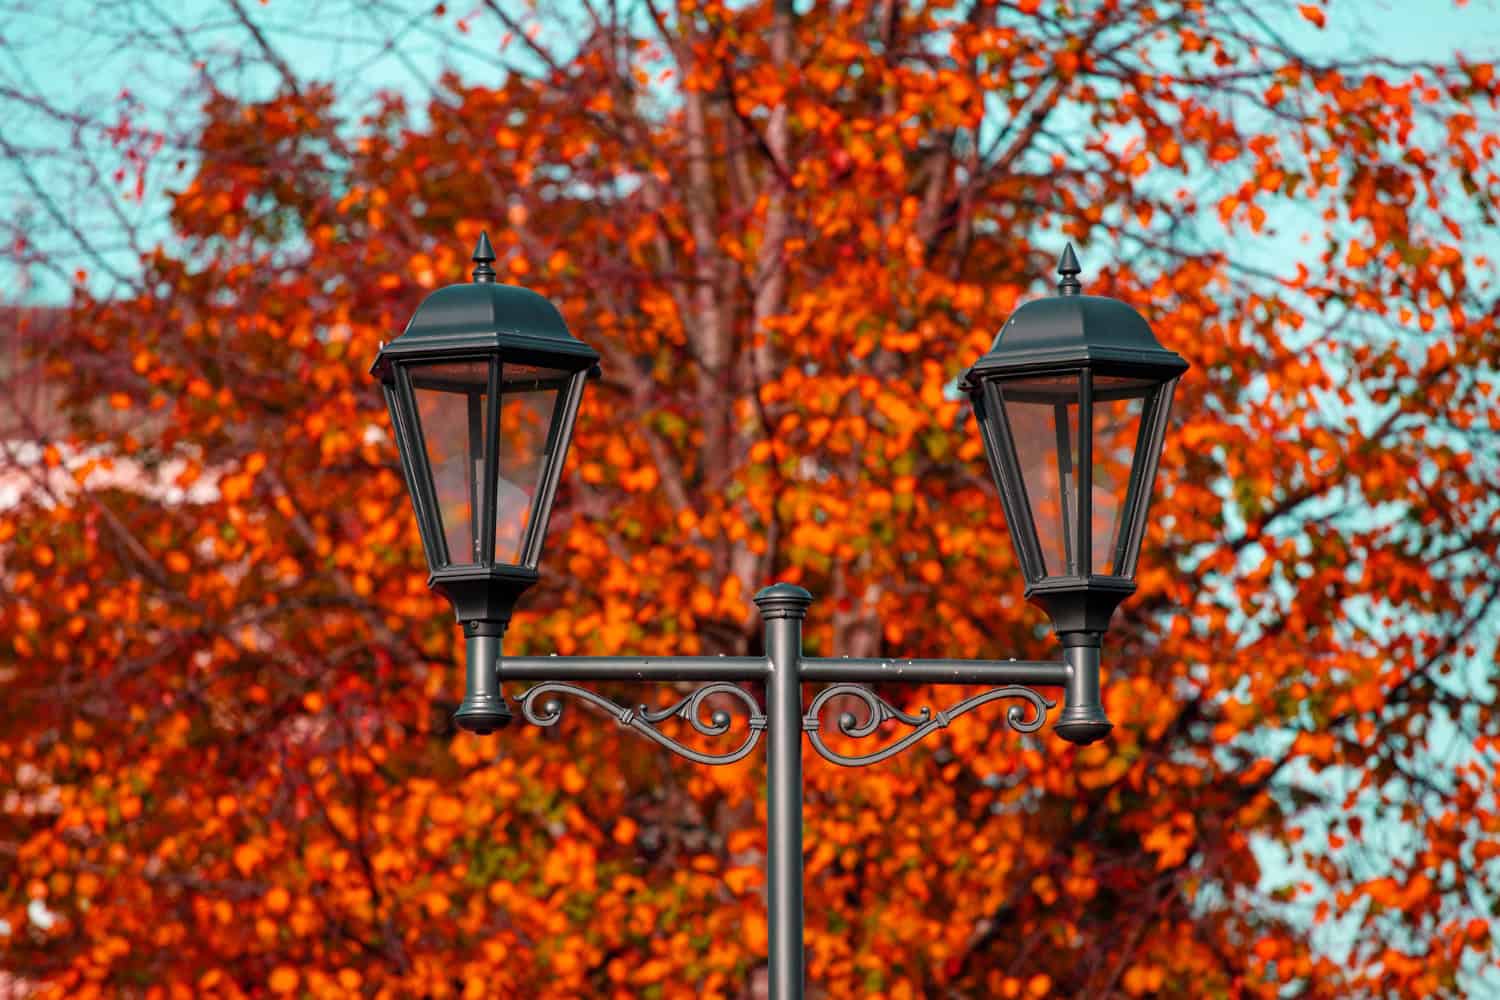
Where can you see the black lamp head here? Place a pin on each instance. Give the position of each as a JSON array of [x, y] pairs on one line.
[[483, 387], [1072, 400]]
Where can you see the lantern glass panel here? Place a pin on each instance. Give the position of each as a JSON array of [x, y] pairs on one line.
[[1157, 411], [1042, 413], [451, 407], [1118, 402], [528, 436]]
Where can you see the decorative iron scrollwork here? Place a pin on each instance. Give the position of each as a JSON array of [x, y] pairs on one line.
[[878, 710], [540, 709]]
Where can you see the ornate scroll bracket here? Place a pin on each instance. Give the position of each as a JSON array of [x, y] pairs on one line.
[[541, 707], [878, 710]]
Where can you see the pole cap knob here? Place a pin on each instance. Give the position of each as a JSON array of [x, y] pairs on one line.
[[783, 600]]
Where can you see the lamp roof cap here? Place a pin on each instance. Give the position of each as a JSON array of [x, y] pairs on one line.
[[1073, 330], [485, 317]]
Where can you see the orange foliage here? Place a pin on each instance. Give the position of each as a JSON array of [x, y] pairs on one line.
[[225, 757]]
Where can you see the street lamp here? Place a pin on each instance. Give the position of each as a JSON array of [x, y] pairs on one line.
[[483, 387], [1072, 401]]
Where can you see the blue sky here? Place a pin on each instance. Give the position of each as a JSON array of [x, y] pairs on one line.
[[84, 62]]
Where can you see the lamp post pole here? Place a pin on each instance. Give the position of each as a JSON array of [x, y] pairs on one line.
[[783, 608], [483, 388]]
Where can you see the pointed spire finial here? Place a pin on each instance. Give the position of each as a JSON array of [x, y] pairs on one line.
[[484, 254], [1067, 266]]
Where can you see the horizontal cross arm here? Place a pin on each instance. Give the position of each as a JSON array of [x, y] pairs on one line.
[[633, 668], [1044, 673]]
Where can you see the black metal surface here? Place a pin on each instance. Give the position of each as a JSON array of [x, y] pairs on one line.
[[1080, 604], [1068, 267], [1066, 486], [783, 606], [923, 722], [540, 706], [999, 444], [412, 474], [633, 668], [1143, 478], [481, 319], [418, 468], [483, 709], [782, 721], [1068, 331], [484, 256], [1083, 555], [559, 436], [497, 325], [483, 506], [1043, 673], [1071, 334], [482, 593], [1083, 720]]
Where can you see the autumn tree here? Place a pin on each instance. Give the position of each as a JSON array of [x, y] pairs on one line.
[[225, 754]]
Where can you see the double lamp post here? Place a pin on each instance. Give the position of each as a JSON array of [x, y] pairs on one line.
[[1072, 402]]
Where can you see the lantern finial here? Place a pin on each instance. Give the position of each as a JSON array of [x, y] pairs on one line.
[[483, 255], [1067, 266]]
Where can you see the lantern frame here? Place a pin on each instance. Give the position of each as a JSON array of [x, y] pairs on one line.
[[1084, 337], [498, 326]]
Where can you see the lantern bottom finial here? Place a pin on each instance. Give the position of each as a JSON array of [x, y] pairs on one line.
[[482, 715], [1083, 721], [483, 710], [1083, 724]]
